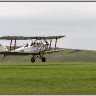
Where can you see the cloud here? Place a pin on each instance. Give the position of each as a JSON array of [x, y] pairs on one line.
[[77, 20]]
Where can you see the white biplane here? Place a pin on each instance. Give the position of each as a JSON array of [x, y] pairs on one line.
[[36, 49]]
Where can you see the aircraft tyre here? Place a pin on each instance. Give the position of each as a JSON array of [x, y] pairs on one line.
[[32, 60], [43, 59]]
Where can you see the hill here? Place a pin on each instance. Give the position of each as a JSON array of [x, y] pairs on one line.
[[68, 55]]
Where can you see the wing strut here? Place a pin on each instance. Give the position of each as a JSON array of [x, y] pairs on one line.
[[10, 44], [50, 44], [55, 43], [15, 45]]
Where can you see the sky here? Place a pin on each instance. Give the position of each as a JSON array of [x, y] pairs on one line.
[[76, 20]]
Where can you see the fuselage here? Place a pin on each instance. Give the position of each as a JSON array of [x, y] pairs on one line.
[[32, 48]]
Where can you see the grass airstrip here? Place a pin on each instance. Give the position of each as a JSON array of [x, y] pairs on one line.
[[47, 78]]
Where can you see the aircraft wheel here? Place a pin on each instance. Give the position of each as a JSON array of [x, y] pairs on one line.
[[43, 59], [32, 60]]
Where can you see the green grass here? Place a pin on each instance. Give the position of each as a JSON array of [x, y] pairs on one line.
[[47, 78]]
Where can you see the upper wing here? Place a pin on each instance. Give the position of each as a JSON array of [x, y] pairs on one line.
[[25, 38]]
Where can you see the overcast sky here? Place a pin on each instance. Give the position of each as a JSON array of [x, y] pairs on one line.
[[76, 20]]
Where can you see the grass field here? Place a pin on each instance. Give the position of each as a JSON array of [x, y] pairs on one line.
[[47, 78]]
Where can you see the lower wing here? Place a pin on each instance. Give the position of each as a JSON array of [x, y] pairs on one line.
[[53, 51], [23, 53]]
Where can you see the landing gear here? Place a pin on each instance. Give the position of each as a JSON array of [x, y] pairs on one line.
[[32, 59], [43, 59], [39, 56]]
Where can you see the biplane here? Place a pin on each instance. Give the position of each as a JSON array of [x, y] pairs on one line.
[[37, 48]]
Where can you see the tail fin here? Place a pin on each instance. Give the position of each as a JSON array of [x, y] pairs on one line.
[[3, 48]]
